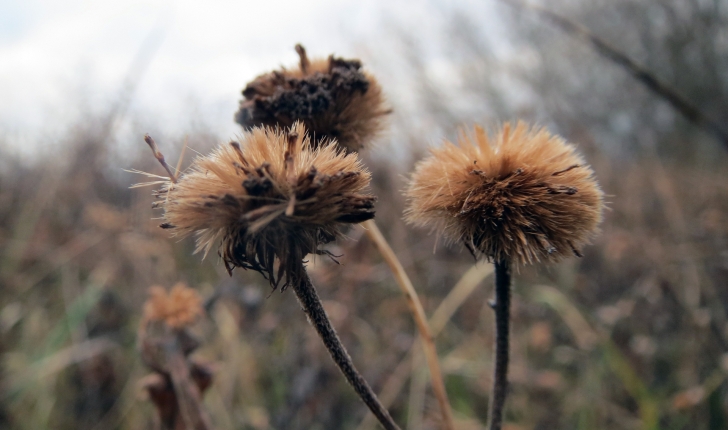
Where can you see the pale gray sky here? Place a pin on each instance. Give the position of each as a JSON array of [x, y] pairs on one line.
[[54, 51], [60, 59]]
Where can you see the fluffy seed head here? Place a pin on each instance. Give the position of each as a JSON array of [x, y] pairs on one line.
[[333, 97], [178, 309], [268, 200], [523, 195]]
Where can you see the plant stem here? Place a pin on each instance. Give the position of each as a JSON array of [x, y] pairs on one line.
[[501, 305], [189, 397], [418, 313], [309, 300]]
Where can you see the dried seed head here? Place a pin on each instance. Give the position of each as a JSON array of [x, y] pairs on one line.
[[268, 200], [524, 195], [178, 309], [334, 98]]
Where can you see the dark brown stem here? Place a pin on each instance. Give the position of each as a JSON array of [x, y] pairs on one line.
[[501, 305], [189, 398], [311, 304], [177, 384]]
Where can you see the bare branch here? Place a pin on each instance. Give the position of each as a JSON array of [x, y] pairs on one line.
[[158, 155], [663, 90]]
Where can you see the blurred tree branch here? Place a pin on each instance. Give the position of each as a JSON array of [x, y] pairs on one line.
[[663, 90]]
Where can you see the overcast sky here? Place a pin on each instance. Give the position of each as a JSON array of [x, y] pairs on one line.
[[61, 59], [55, 53]]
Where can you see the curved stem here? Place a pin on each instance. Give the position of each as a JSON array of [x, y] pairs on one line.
[[309, 300], [418, 313], [501, 305]]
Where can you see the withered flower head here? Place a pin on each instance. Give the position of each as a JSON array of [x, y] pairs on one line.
[[178, 309], [524, 195], [268, 200], [333, 97]]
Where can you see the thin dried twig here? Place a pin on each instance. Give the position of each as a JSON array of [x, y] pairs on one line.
[[158, 155], [458, 295], [418, 313], [177, 385], [178, 169], [447, 308]]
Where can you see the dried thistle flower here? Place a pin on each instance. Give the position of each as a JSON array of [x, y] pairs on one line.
[[178, 382], [178, 309], [334, 98], [523, 196], [269, 200]]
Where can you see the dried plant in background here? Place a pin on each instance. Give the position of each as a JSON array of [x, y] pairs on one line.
[[418, 314], [179, 308], [523, 196], [178, 382], [268, 201], [333, 97]]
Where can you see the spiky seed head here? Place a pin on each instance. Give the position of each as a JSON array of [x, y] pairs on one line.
[[523, 195], [333, 97], [268, 200], [177, 308]]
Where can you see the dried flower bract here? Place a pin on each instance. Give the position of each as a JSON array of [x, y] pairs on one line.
[[268, 200], [334, 98], [524, 195], [178, 309]]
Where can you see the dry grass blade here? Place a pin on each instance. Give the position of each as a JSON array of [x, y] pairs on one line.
[[457, 296], [416, 398], [418, 313], [181, 157], [61, 360], [587, 338], [452, 302], [584, 335], [392, 387]]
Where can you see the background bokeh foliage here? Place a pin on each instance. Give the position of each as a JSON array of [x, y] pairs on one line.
[[632, 336]]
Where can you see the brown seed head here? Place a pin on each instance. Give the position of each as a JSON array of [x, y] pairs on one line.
[[334, 98], [178, 309], [524, 195], [268, 200]]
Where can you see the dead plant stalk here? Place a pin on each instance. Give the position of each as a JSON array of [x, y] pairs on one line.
[[418, 313]]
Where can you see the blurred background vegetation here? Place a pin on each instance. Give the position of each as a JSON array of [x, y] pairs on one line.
[[632, 336]]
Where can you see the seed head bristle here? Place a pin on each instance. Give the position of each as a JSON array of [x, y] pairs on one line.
[[268, 200], [524, 195], [333, 97]]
